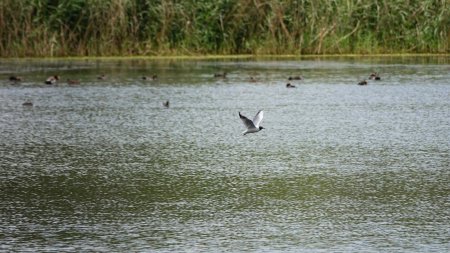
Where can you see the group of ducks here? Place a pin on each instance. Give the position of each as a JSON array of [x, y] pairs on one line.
[[55, 78], [254, 80], [374, 76]]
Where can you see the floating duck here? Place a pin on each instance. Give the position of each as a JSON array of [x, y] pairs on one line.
[[295, 78], [15, 78], [289, 85], [363, 82], [166, 104], [153, 77], [374, 76], [101, 77], [73, 82], [28, 103], [52, 80], [221, 75]]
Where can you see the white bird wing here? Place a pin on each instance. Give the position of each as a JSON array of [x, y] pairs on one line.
[[248, 123], [258, 118]]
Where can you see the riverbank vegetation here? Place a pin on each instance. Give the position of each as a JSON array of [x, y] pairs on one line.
[[196, 27]]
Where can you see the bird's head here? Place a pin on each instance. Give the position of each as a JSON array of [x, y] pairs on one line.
[[261, 128]]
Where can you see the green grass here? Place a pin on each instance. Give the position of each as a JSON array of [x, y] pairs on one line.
[[42, 28]]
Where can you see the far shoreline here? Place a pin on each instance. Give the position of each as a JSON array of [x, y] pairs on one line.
[[225, 57]]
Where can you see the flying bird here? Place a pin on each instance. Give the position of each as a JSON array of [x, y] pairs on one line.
[[252, 126]]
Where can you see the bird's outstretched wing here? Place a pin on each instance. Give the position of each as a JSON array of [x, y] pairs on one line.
[[258, 118], [248, 123]]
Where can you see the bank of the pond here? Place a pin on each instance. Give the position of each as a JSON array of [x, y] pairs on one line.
[[114, 28], [444, 56]]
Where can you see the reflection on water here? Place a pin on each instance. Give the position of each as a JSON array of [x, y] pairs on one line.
[[104, 166]]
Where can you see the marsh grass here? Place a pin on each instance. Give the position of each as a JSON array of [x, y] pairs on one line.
[[190, 27]]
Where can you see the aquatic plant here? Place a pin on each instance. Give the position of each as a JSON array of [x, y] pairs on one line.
[[186, 27]]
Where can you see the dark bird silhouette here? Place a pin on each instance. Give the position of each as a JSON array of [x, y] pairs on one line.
[[363, 82], [166, 104], [289, 85], [15, 78], [295, 78]]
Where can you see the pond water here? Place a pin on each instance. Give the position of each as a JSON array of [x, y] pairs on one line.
[[103, 166]]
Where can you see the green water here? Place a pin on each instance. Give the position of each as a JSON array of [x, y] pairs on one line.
[[104, 167]]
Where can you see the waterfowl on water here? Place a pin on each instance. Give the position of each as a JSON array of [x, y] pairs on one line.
[[252, 125], [252, 79], [363, 82], [295, 78], [73, 82], [28, 103], [15, 78], [289, 85], [101, 77], [153, 77], [166, 104], [374, 76], [222, 75], [52, 80]]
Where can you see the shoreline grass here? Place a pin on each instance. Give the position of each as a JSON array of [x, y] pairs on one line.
[[241, 56], [38, 28]]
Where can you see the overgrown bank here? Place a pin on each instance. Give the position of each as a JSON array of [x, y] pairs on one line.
[[184, 27]]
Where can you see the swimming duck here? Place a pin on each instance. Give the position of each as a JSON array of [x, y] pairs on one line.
[[52, 80], [289, 85], [153, 77], [374, 76], [101, 77], [363, 82], [252, 79], [295, 78], [28, 103], [166, 104], [222, 75], [15, 78], [73, 82]]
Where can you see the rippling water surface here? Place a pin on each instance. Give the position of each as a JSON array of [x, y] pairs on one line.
[[103, 166]]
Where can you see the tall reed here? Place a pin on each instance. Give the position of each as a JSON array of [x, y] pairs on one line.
[[171, 27]]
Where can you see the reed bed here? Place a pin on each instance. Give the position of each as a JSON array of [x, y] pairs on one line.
[[44, 28]]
